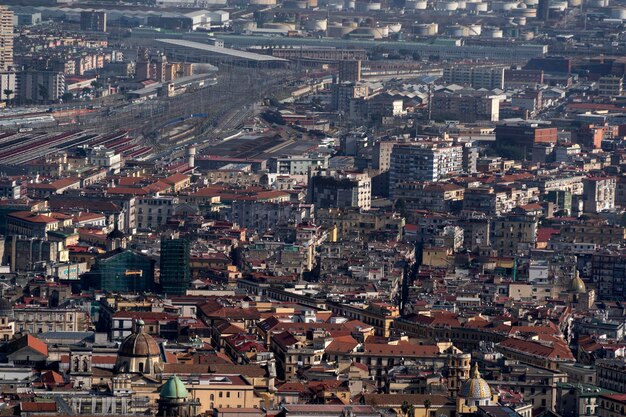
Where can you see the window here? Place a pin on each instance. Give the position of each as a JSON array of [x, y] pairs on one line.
[[221, 394]]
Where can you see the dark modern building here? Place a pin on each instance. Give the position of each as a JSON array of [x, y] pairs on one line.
[[516, 140], [121, 270], [93, 21], [175, 272]]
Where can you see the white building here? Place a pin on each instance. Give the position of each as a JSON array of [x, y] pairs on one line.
[[153, 212]]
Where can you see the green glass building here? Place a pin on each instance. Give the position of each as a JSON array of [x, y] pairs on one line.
[[175, 271], [121, 270]]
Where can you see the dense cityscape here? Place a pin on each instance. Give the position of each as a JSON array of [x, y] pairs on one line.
[[313, 208]]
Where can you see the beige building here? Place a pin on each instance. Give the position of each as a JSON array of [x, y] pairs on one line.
[[6, 38], [40, 320]]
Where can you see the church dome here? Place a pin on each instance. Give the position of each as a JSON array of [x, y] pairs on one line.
[[139, 344], [578, 285], [173, 389], [475, 388]]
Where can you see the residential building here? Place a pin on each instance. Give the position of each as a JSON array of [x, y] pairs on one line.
[[424, 161], [599, 194], [6, 38], [341, 190], [93, 21], [514, 234], [475, 76], [40, 320], [153, 212], [610, 85], [467, 107], [40, 86]]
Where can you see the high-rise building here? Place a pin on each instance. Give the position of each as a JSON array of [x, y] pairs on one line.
[[423, 161], [40, 86], [175, 271], [599, 194], [350, 70], [475, 76], [6, 38], [93, 21]]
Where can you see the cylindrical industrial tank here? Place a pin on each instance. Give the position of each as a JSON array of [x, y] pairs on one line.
[[262, 2], [477, 7], [416, 4], [457, 31], [531, 2], [527, 35], [618, 13], [574, 3], [395, 27], [425, 29], [316, 25], [462, 5], [492, 32], [295, 4], [280, 26], [384, 31], [338, 31], [503, 6], [598, 3], [241, 25], [559, 5], [528, 12], [350, 24], [475, 29], [447, 6], [349, 5], [520, 20]]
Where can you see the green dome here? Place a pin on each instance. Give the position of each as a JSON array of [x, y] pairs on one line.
[[174, 389]]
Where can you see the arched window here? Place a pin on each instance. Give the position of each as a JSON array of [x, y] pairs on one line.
[[140, 366]]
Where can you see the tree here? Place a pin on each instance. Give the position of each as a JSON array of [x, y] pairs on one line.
[[67, 97], [405, 408], [8, 92], [427, 405], [411, 412], [43, 92]]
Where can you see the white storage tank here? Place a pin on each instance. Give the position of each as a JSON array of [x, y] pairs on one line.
[[520, 20], [475, 29], [462, 5], [426, 29], [338, 31], [618, 13], [574, 3], [280, 26], [395, 27], [503, 6], [598, 3], [492, 32], [416, 4], [447, 6], [316, 25], [531, 2], [559, 5], [458, 31], [477, 7]]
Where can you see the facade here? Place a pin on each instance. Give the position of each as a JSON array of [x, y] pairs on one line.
[[6, 38], [475, 76], [153, 212], [610, 86], [611, 374], [424, 161], [41, 320], [467, 108], [8, 84], [513, 234], [341, 191], [175, 274], [599, 194], [121, 271], [609, 275], [517, 140], [93, 21], [40, 86]]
